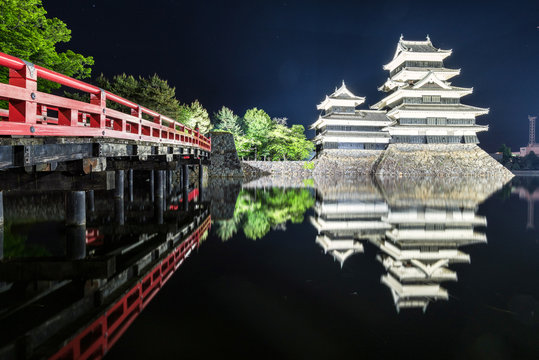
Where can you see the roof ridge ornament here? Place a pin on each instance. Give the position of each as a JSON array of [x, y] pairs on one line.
[[428, 38], [401, 38]]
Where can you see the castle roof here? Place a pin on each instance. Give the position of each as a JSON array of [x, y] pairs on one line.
[[407, 49], [341, 97]]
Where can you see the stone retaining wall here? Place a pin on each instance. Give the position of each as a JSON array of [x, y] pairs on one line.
[[283, 168], [439, 160], [346, 162], [224, 158]]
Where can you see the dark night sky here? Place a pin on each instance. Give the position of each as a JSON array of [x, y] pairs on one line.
[[285, 56]]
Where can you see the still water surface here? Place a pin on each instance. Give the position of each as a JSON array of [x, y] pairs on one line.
[[322, 273], [363, 268]]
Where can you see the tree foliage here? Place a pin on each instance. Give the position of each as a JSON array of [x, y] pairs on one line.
[[228, 121], [289, 143], [506, 153], [259, 136], [528, 162], [27, 33], [258, 211], [153, 93], [257, 126], [195, 116]]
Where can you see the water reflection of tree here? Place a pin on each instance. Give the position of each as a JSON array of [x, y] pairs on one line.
[[257, 211]]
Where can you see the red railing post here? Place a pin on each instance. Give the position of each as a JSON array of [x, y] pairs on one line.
[[24, 110], [100, 99], [138, 113], [42, 110]]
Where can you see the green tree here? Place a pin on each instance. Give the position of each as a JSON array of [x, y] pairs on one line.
[[244, 146], [531, 161], [228, 121], [289, 143], [194, 116], [27, 33], [506, 153], [258, 125], [299, 146], [153, 93]]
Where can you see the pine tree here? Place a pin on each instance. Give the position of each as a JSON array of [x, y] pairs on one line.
[[228, 121]]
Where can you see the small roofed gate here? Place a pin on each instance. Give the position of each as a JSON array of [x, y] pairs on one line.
[[29, 115]]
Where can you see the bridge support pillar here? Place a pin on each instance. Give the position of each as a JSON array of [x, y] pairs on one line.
[[185, 198], [159, 196], [75, 209], [180, 174], [169, 181], [130, 184], [152, 183], [185, 176], [200, 178], [119, 210], [185, 187], [90, 200]]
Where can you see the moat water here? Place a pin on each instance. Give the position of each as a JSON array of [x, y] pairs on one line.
[[363, 268]]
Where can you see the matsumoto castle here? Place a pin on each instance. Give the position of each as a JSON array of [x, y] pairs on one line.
[[420, 107]]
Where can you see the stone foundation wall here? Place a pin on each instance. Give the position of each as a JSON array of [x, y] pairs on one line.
[[283, 168], [330, 162], [440, 160], [346, 162], [224, 158]]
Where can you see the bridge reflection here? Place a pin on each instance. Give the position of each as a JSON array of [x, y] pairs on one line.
[[83, 258]]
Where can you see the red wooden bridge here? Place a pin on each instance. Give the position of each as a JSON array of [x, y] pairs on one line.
[[63, 129]]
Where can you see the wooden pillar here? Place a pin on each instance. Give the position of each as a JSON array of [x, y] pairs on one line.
[[159, 196], [75, 210], [185, 173], [200, 178], [130, 184], [152, 176], [90, 200], [119, 209]]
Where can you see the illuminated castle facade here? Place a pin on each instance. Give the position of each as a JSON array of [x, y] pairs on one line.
[[421, 106]]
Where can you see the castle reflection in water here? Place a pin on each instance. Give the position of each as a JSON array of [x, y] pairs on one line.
[[420, 227]]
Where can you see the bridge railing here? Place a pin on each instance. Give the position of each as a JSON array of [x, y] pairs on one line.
[[27, 115]]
